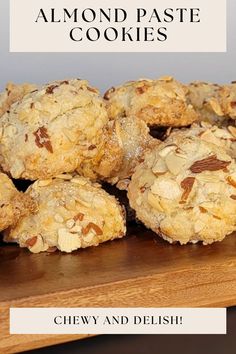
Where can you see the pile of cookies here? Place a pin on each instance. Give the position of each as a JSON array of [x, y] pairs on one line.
[[68, 140]]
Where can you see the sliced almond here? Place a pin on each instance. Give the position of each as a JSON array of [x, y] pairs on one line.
[[232, 180], [39, 245], [91, 226], [187, 185], [30, 242], [42, 139], [175, 163], [216, 107], [65, 177], [166, 150], [79, 216], [44, 182], [166, 189], [159, 167], [211, 163], [207, 178], [154, 201], [83, 202], [232, 130], [208, 136], [81, 181], [203, 210], [67, 241]]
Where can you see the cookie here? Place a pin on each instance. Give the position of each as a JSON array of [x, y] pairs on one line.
[[160, 102], [13, 204], [185, 191], [55, 129], [72, 213], [213, 102]]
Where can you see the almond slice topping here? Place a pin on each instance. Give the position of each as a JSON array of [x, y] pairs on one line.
[[211, 163], [79, 217], [203, 210], [42, 139], [142, 89], [31, 241], [231, 181], [232, 130], [92, 226], [187, 185]]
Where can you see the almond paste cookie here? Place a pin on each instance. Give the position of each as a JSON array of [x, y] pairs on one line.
[[53, 130], [160, 102], [13, 204], [213, 102], [72, 214], [185, 191]]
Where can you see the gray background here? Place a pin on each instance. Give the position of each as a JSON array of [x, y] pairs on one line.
[[106, 69]]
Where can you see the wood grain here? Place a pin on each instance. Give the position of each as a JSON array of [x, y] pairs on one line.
[[140, 270]]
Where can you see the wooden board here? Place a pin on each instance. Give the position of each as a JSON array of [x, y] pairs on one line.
[[140, 270]]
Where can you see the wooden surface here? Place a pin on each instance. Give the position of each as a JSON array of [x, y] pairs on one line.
[[140, 270]]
